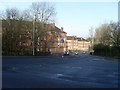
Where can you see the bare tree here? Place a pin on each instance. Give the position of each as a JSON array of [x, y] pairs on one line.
[[115, 34], [12, 13], [91, 37], [43, 13], [9, 27], [108, 34], [102, 34], [15, 23], [26, 15], [12, 26]]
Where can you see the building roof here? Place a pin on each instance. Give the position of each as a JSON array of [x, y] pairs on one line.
[[56, 29], [80, 39], [75, 38], [71, 38]]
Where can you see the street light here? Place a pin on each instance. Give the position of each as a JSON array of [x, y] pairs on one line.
[[34, 19]]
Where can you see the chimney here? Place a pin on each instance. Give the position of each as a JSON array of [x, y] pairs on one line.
[[53, 25], [62, 29]]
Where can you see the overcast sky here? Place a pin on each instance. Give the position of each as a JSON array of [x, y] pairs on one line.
[[75, 17]]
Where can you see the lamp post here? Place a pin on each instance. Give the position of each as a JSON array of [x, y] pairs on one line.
[[33, 43]]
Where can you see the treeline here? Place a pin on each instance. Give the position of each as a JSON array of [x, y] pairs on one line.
[[105, 50], [18, 27], [107, 40]]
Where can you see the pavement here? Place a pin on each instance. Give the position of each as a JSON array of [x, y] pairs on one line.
[[80, 71]]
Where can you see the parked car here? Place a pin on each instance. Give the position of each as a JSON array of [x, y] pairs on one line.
[[66, 53], [76, 53], [84, 52], [91, 53]]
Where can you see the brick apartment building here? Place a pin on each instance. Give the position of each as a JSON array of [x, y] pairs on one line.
[[54, 40], [77, 43], [59, 37]]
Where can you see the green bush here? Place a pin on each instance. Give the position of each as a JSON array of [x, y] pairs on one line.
[[101, 49], [105, 50]]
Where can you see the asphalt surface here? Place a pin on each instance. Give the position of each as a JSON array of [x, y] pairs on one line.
[[81, 71]]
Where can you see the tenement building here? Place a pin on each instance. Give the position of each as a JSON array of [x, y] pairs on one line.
[[77, 43]]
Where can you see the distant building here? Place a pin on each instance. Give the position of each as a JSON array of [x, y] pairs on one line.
[[59, 40], [77, 43], [52, 39]]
